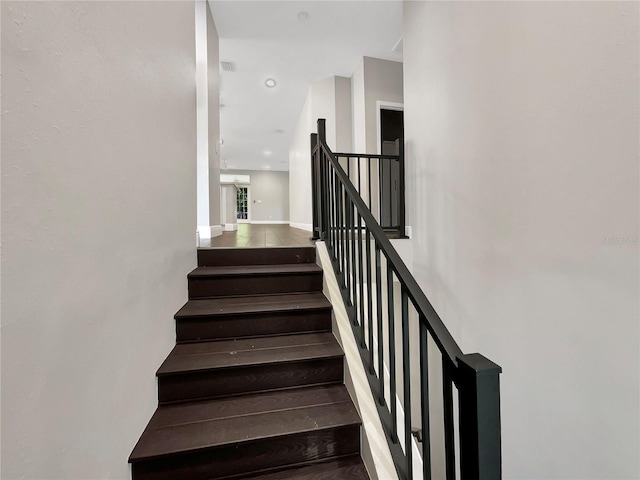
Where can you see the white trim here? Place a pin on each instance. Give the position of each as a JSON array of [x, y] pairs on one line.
[[302, 226], [383, 105], [270, 222], [204, 232], [407, 231], [375, 449], [230, 227], [216, 231]]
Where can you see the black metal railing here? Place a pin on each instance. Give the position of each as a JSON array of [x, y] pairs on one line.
[[379, 180], [406, 349]]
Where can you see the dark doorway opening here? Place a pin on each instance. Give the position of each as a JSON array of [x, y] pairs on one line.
[[391, 135]]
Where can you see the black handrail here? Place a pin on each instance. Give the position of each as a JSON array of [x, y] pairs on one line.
[[341, 215]]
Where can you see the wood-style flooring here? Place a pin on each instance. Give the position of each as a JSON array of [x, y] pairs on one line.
[[249, 235]]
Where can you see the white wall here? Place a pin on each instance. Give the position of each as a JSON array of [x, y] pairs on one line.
[[208, 121], [269, 195], [328, 98], [98, 220], [374, 80], [228, 211], [202, 119], [522, 129], [213, 105]]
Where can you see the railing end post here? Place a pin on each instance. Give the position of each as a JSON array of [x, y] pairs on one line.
[[479, 398], [322, 130], [315, 202]]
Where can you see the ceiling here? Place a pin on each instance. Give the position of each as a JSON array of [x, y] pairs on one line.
[[268, 39]]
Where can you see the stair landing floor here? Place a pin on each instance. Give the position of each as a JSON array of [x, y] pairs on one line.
[[251, 235]]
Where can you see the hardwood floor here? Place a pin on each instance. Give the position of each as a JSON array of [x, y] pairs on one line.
[[249, 235]]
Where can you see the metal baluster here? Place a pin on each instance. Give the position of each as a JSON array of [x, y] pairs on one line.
[[354, 286], [370, 302], [392, 357], [361, 277], [347, 231], [390, 326], [340, 235], [380, 192], [379, 324], [369, 181], [406, 382], [424, 390], [449, 440], [378, 306], [388, 161], [332, 200], [359, 189]]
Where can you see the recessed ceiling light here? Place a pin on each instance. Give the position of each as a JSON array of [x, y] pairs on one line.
[[267, 153], [302, 15], [270, 82], [267, 166]]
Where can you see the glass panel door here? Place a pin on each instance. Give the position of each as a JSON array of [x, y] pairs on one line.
[[242, 204]]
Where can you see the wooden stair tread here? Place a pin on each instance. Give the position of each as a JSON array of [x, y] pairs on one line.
[[209, 424], [255, 270], [249, 351], [255, 255], [342, 468], [252, 304]]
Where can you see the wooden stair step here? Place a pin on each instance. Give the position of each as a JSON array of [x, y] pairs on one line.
[[206, 424], [251, 434], [254, 280], [252, 304], [229, 367], [346, 468], [255, 256], [252, 316]]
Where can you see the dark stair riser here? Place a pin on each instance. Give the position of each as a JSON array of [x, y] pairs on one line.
[[256, 256], [238, 460], [180, 387], [350, 468], [252, 325], [222, 285]]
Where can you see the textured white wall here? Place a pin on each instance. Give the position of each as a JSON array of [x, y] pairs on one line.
[[374, 80], [213, 123], [358, 112], [522, 129], [300, 208], [272, 190], [202, 118], [321, 102], [98, 221]]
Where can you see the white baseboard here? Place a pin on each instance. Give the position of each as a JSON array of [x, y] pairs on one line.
[[230, 227], [302, 226], [204, 232], [270, 222], [216, 231], [209, 231], [407, 231]]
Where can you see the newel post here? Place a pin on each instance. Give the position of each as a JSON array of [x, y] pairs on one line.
[[401, 195], [315, 186], [321, 175], [479, 399]]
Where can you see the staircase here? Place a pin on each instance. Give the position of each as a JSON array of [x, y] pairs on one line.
[[254, 387]]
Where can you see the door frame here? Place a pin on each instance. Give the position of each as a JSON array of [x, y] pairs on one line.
[[384, 105], [248, 219]]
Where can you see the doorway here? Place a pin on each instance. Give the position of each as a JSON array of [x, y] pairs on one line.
[[242, 204], [391, 135]]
